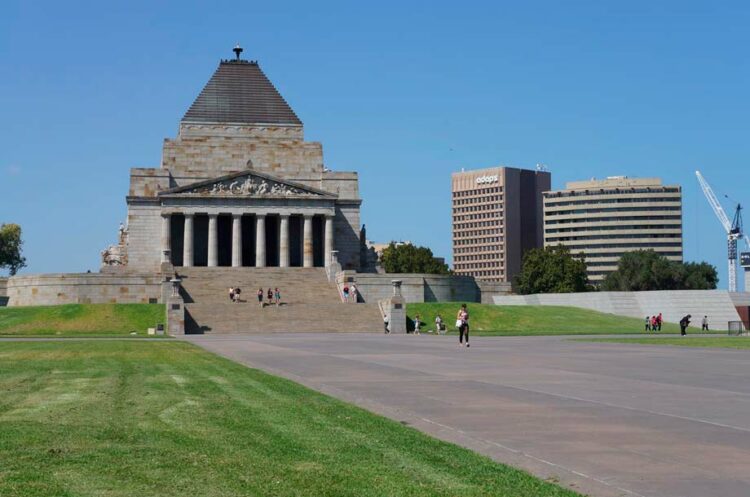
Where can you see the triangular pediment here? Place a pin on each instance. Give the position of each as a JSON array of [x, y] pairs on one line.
[[248, 184]]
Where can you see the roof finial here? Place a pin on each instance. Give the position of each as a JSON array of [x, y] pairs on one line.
[[237, 51]]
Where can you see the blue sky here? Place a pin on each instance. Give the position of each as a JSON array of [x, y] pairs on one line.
[[402, 92]]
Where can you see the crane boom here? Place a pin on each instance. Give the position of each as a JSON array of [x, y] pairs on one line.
[[714, 202]]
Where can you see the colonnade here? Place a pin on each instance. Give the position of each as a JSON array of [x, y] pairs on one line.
[[260, 239]]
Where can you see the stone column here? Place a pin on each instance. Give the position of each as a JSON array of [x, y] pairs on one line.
[[166, 237], [187, 244], [236, 240], [213, 241], [307, 242], [328, 240], [284, 241], [260, 240]]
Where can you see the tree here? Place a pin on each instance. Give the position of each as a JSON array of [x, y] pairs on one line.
[[10, 248], [408, 258], [642, 270], [551, 270]]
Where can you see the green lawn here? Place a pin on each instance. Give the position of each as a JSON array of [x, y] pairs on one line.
[[80, 319], [158, 418], [725, 342], [487, 319]]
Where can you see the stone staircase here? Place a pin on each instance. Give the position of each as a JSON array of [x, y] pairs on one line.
[[309, 302]]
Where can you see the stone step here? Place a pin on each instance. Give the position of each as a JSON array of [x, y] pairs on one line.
[[251, 318]]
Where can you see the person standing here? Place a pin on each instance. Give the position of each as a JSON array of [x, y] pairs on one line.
[[659, 320], [260, 297], [277, 297], [354, 293], [704, 323], [270, 296], [648, 323], [438, 324], [346, 293], [654, 323], [231, 294], [463, 329], [417, 324], [684, 323], [237, 292]]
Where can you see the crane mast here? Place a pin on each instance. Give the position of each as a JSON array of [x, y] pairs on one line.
[[733, 229]]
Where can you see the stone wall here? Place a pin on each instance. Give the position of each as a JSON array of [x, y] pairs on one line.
[[491, 289], [83, 288], [673, 304], [346, 235], [414, 287], [144, 236], [3, 292]]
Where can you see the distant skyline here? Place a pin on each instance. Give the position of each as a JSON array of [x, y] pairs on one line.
[[403, 94]]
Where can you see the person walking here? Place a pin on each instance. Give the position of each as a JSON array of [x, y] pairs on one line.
[[704, 323], [648, 323], [654, 323], [417, 324], [237, 292], [684, 322], [463, 329], [385, 325], [438, 324], [231, 294], [277, 296], [270, 296], [260, 297], [659, 320], [346, 293], [354, 292]]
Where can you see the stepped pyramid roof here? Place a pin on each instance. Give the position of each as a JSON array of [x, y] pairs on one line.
[[240, 93]]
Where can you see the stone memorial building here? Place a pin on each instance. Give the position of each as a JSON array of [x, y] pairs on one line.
[[240, 186]]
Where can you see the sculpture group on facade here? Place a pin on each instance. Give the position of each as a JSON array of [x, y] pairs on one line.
[[250, 186], [116, 255]]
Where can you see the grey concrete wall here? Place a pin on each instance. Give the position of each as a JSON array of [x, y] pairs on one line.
[[673, 304], [3, 292], [491, 289], [83, 288], [415, 287]]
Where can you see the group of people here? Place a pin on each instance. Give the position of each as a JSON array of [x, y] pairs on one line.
[[653, 323], [462, 323], [274, 296], [350, 293]]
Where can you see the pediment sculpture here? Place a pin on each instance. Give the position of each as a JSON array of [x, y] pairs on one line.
[[249, 185]]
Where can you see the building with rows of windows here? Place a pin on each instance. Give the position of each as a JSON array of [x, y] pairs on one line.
[[602, 219], [497, 217]]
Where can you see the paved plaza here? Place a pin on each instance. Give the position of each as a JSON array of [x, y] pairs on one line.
[[605, 419]]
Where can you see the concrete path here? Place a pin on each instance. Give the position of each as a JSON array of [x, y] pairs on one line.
[[605, 419]]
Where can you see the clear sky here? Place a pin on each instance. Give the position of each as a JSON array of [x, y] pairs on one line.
[[402, 92]]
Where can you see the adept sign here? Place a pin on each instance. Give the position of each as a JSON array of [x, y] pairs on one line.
[[486, 179], [745, 259]]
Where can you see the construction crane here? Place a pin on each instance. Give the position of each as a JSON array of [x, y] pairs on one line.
[[733, 229]]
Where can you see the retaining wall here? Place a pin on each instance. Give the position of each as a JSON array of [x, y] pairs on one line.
[[673, 304], [83, 288], [414, 287], [3, 292]]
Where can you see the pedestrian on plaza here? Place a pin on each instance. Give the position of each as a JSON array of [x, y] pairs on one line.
[[704, 323], [462, 320], [648, 323], [277, 296], [270, 296], [417, 324], [237, 292], [438, 324], [654, 323], [659, 321], [346, 293], [684, 323], [354, 293], [231, 294], [385, 325], [260, 297]]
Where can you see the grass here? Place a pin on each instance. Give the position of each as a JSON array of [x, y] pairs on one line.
[[724, 342], [80, 319], [487, 319], [157, 418]]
